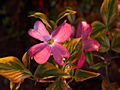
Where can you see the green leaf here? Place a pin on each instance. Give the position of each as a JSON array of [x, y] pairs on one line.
[[98, 29], [81, 75], [104, 43], [71, 18], [58, 85], [98, 65], [115, 45], [109, 11], [74, 46], [65, 13], [116, 32], [13, 69], [14, 86], [47, 70], [43, 17], [26, 60], [89, 57]]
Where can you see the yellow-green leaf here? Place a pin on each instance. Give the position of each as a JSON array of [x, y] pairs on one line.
[[14, 86], [47, 70], [115, 45], [65, 13], [89, 57], [43, 17], [71, 18], [26, 60], [116, 32], [99, 65], [74, 46], [81, 75], [98, 29], [109, 11], [104, 43], [58, 85], [13, 69]]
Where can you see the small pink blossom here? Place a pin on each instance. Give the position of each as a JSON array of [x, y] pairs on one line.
[[118, 25], [73, 32], [88, 44], [118, 5], [41, 52], [81, 61]]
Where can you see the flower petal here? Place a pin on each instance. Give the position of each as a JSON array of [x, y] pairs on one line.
[[91, 45], [118, 5], [39, 32], [62, 32], [59, 52], [73, 32], [118, 25], [36, 48], [81, 61], [42, 56], [79, 30], [86, 30], [83, 30]]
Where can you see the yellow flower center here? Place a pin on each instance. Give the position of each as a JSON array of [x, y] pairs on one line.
[[51, 41]]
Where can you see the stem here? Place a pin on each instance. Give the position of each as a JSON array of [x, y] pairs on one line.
[[107, 73], [106, 67], [102, 58], [45, 81], [70, 80], [107, 78], [115, 57], [69, 88]]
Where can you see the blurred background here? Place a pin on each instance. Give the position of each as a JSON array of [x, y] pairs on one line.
[[15, 22]]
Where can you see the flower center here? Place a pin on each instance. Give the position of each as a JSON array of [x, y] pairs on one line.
[[51, 41]]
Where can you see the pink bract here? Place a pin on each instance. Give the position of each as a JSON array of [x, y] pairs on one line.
[[81, 61], [88, 44], [118, 5], [118, 25], [41, 52], [83, 30], [91, 45]]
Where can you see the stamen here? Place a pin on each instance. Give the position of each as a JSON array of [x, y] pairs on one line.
[[51, 41]]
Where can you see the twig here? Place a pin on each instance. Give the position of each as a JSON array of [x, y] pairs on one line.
[[70, 80], [69, 88], [115, 57], [45, 81], [102, 58]]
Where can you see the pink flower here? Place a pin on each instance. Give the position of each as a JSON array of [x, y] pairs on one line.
[[118, 25], [118, 5], [41, 52], [88, 44], [73, 32]]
